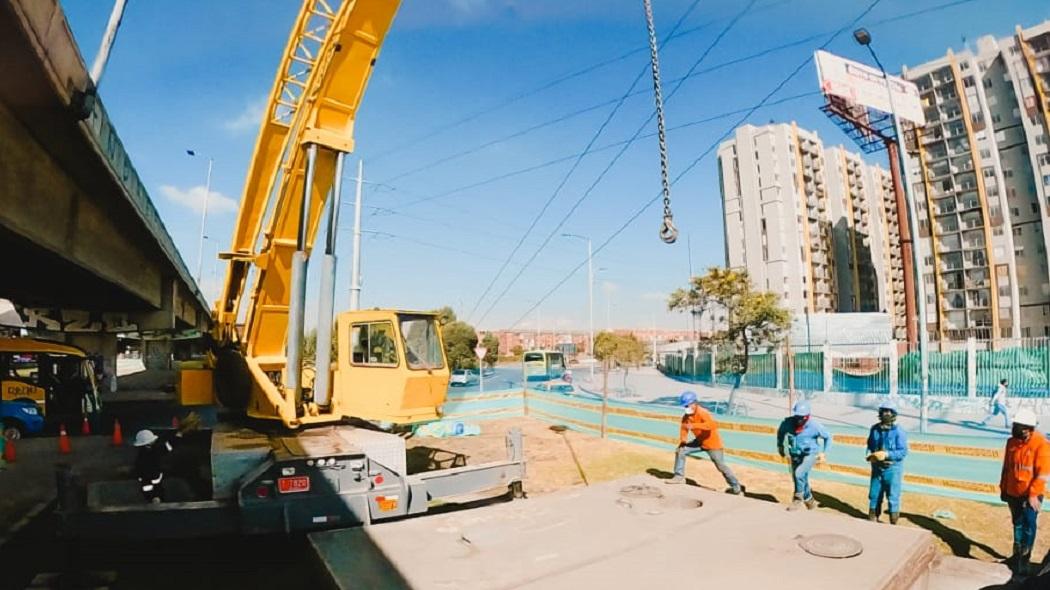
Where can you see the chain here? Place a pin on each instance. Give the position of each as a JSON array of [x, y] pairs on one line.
[[668, 232]]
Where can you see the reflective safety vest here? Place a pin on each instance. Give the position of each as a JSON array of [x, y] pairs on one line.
[[1026, 466]]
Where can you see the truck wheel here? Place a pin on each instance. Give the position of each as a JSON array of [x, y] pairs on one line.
[[517, 490], [12, 430]]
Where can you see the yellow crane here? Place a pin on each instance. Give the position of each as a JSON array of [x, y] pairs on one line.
[[389, 366]]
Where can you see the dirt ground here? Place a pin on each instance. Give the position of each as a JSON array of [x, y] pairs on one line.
[[979, 531]]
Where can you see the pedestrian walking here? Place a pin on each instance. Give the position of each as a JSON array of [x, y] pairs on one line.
[[887, 448], [699, 422], [999, 406], [804, 441], [1026, 467]]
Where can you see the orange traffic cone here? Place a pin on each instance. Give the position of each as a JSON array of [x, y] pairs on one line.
[[9, 451], [85, 427], [118, 436], [64, 447]]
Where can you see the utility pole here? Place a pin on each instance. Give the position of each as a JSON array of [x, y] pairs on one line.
[[355, 271], [108, 37]]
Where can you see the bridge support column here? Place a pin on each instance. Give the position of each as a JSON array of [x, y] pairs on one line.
[[99, 343], [157, 354]]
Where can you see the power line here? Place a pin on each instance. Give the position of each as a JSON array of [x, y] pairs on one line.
[[681, 174], [714, 43], [584, 110], [546, 86], [575, 165]]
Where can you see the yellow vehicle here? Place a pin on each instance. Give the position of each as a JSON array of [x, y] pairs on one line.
[[389, 367], [58, 378]]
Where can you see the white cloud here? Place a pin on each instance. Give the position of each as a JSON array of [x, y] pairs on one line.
[[193, 198], [249, 117]]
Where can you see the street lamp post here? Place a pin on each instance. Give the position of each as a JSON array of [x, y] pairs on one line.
[[863, 37], [204, 215], [590, 296]]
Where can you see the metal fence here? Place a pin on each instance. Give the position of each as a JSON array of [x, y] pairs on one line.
[[955, 369]]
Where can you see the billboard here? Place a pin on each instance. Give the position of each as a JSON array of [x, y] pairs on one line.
[[864, 85]]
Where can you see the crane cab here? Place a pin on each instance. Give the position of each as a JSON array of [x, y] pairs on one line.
[[390, 366]]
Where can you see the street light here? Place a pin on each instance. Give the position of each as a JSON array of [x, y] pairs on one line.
[[863, 37], [204, 215], [590, 295]]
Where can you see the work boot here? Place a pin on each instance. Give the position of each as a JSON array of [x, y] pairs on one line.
[[736, 491], [873, 515], [811, 503], [678, 479], [894, 517], [1024, 560], [1011, 561], [796, 504]]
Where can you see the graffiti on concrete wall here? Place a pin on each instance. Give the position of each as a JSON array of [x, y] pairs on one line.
[[75, 320]]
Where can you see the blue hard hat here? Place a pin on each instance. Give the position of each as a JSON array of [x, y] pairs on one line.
[[801, 408], [687, 398], [888, 405]]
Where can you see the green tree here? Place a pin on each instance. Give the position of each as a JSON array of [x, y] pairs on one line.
[[460, 340], [517, 351], [629, 352], [445, 315], [491, 344], [752, 317]]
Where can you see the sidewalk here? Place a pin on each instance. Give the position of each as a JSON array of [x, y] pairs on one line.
[[648, 385]]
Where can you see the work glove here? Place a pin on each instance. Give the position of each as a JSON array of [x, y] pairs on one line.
[[878, 456], [1035, 502]]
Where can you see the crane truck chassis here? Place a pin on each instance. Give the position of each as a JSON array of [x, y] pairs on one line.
[[322, 478]]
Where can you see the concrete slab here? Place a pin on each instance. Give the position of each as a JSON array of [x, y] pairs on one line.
[[630, 533]]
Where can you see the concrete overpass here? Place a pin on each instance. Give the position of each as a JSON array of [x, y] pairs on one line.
[[82, 248]]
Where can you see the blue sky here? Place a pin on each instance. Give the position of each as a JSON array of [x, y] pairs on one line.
[[194, 74]]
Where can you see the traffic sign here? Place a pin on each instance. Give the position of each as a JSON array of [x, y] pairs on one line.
[[480, 351]]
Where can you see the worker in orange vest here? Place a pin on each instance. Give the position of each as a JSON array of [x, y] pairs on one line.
[[1026, 467], [697, 420]]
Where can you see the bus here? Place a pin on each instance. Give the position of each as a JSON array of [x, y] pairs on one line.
[[543, 365]]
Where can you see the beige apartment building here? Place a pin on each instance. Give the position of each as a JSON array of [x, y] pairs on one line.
[[820, 224], [816, 224], [981, 176]]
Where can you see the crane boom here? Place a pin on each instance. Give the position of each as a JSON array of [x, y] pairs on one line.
[[307, 125]]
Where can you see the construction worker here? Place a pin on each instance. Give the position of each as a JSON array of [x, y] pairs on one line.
[[697, 420], [804, 441], [887, 447], [150, 464], [1026, 467], [999, 405]]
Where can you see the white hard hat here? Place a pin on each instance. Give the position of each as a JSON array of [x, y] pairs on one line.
[[1026, 417], [144, 437]]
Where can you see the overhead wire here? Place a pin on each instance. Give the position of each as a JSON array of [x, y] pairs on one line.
[[696, 161], [581, 111], [623, 149], [548, 85], [576, 162]]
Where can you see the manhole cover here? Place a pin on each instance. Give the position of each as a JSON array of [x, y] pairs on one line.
[[829, 545]]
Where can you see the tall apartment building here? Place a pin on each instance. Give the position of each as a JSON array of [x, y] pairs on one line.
[[980, 173], [815, 224]]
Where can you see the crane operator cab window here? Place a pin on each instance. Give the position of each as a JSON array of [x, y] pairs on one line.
[[374, 344], [422, 344]]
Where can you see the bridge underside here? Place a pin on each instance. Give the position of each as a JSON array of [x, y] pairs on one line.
[[73, 235]]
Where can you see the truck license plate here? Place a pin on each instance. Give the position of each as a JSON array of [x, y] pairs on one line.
[[291, 485]]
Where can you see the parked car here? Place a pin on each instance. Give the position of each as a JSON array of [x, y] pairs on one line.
[[19, 418], [462, 378]]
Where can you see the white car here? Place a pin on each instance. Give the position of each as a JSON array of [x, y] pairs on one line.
[[462, 378]]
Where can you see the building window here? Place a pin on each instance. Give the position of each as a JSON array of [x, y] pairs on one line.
[[996, 118], [987, 83], [985, 153], [1035, 207], [968, 81], [1008, 173], [1046, 179], [989, 172], [1017, 230], [1044, 159], [1015, 212]]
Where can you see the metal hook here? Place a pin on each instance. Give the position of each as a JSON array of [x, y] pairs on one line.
[[668, 232]]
